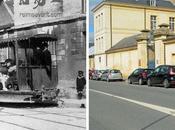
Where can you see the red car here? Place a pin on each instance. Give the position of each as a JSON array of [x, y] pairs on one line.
[[91, 74]]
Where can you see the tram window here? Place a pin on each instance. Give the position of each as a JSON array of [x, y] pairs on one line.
[[22, 56], [52, 49]]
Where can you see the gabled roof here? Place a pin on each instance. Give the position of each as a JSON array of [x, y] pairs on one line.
[[159, 3], [127, 42], [6, 18]]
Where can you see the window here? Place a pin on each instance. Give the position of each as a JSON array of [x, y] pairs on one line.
[[101, 21], [98, 22], [157, 70], [136, 72], [96, 44], [171, 23], [96, 26], [99, 43], [102, 43], [100, 59], [152, 2], [153, 22]]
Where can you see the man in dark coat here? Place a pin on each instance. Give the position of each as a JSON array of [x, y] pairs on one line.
[[47, 61], [80, 83], [37, 58]]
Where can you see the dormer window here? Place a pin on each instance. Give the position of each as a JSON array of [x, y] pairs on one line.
[[152, 2]]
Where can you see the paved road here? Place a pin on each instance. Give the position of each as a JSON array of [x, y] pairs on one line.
[[38, 118], [119, 106]]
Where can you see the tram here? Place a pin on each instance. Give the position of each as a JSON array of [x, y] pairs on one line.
[[35, 74]]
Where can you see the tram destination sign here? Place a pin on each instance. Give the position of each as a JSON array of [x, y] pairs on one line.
[[35, 11]]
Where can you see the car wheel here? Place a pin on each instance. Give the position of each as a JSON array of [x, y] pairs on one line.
[[129, 81], [166, 83], [140, 81], [149, 82]]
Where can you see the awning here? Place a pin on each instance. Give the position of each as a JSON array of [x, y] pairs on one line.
[[41, 37]]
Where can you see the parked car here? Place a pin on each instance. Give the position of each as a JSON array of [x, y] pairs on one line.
[[109, 75], [91, 72], [97, 74], [163, 75], [139, 76]]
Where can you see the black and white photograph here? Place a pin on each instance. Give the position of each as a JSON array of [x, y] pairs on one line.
[[43, 65]]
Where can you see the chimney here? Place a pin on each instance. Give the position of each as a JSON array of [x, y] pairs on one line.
[[152, 2]]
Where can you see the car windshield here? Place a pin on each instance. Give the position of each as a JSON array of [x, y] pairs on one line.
[[115, 71], [101, 71], [148, 71]]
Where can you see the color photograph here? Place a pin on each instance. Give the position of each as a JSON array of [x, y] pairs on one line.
[[131, 64]]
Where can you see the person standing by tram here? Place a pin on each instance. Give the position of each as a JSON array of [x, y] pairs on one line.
[[47, 61]]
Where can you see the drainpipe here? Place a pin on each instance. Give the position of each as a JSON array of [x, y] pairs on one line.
[[110, 32], [145, 18]]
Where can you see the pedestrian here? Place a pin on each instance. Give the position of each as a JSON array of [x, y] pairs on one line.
[[37, 58], [80, 83], [47, 60]]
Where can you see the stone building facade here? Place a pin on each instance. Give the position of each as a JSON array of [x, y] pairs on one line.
[[69, 26], [117, 27]]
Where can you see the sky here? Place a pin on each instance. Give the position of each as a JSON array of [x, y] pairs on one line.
[[92, 4]]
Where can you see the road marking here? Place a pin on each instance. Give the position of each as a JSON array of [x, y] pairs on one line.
[[151, 106]]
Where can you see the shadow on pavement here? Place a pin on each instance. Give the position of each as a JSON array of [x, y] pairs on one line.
[[26, 105]]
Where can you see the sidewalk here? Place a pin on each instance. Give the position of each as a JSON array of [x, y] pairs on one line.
[[73, 103], [68, 94]]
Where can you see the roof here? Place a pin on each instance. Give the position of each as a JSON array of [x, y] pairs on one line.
[[159, 3], [6, 19], [127, 42]]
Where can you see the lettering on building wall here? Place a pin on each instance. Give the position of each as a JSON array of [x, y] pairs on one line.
[[37, 2]]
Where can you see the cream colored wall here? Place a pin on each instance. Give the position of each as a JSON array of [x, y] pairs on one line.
[[126, 61], [170, 50], [126, 22], [91, 63], [159, 51], [102, 29], [142, 54], [100, 65], [162, 17]]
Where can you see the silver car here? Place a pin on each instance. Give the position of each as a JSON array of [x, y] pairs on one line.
[[97, 74], [110, 75]]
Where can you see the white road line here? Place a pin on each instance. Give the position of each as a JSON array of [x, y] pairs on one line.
[[151, 106]]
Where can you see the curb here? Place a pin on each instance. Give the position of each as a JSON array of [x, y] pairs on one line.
[[73, 103]]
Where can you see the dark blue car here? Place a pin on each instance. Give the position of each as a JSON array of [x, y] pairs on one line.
[[163, 75]]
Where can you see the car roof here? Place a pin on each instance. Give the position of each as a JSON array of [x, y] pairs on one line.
[[145, 69], [166, 66]]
